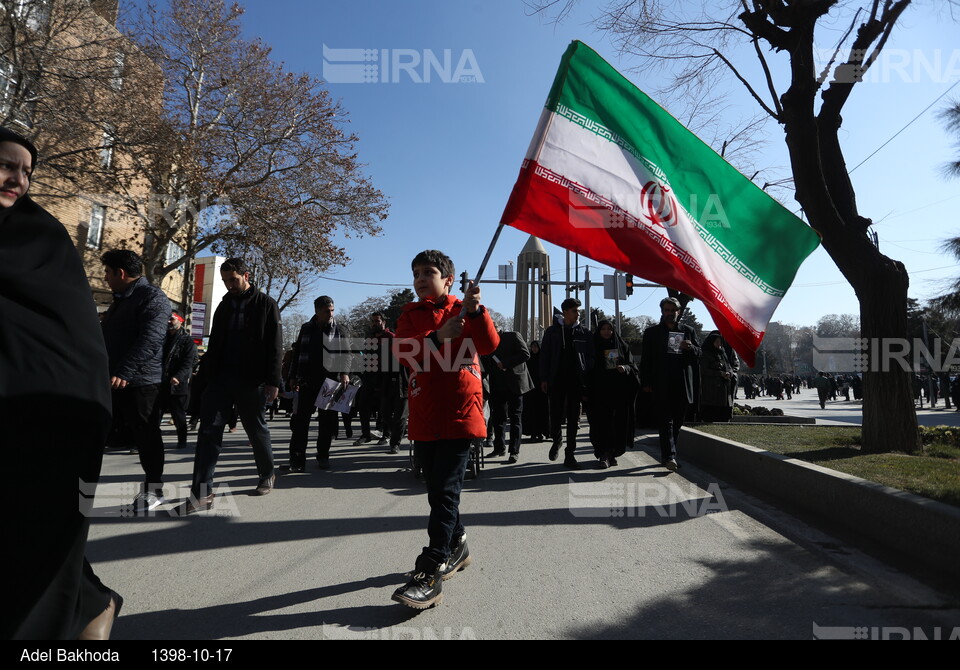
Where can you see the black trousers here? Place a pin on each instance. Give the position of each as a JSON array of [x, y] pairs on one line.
[[444, 464], [141, 407], [507, 409], [300, 427], [564, 406], [176, 404], [670, 410]]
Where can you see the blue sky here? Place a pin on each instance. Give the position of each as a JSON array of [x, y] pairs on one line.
[[447, 154]]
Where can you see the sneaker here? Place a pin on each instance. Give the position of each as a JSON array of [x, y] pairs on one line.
[[604, 464], [394, 449], [264, 486], [571, 464], [459, 559], [382, 442], [512, 459], [425, 587], [323, 463], [497, 453], [297, 467], [555, 451], [362, 441], [613, 462], [671, 465], [147, 501]]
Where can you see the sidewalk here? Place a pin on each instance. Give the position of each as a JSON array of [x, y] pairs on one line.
[[627, 553], [842, 412]]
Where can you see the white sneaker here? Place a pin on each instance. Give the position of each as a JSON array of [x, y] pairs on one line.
[[147, 501]]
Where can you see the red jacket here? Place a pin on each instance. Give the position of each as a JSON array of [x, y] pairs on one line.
[[445, 390]]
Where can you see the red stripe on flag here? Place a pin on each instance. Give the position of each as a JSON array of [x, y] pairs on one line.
[[569, 215]]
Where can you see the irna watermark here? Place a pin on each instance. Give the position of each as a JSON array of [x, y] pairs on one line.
[[663, 499], [396, 66], [883, 354]]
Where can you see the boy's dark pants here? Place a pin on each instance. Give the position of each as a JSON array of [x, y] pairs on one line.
[[444, 463]]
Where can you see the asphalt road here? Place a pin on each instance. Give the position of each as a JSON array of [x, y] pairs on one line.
[[633, 552]]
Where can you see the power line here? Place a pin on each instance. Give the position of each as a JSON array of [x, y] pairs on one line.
[[364, 283], [905, 127]]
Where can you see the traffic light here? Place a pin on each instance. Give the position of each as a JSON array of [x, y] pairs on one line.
[[629, 285]]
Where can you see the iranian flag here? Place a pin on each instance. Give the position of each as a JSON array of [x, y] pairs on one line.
[[611, 175]]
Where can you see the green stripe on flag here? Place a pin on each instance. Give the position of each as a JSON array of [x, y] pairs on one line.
[[735, 216]]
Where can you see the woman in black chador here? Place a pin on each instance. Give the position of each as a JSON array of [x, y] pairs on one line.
[[716, 395], [54, 417], [613, 386]]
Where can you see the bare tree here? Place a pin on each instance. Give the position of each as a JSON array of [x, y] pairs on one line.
[[698, 48], [68, 79], [243, 154]]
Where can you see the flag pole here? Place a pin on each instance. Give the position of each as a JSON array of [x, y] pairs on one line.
[[483, 265], [486, 258]]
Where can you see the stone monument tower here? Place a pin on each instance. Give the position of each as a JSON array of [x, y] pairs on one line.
[[534, 307]]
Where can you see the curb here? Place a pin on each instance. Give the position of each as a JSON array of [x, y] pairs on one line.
[[924, 530]]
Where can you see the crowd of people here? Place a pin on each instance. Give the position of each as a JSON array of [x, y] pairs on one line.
[[446, 379]]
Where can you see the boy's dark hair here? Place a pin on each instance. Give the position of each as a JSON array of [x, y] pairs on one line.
[[322, 301], [237, 265], [380, 314], [123, 259], [437, 259]]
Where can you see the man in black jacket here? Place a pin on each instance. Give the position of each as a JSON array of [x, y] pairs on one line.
[[321, 352], [566, 354], [242, 368], [668, 367], [509, 380], [133, 330], [179, 357]]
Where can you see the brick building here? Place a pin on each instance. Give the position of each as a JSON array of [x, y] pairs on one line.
[[70, 80]]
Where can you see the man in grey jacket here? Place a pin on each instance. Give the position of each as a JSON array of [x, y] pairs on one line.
[[134, 328]]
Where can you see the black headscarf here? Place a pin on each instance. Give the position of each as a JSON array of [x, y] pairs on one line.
[[7, 135]]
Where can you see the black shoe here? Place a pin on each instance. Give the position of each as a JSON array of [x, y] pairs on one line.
[[555, 451], [394, 449], [604, 464], [382, 442], [323, 463], [424, 588], [513, 459], [613, 462], [459, 559], [497, 453], [265, 485], [196, 505], [298, 467], [571, 464]]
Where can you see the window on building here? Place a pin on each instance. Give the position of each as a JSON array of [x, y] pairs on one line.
[[116, 77], [106, 148], [8, 86], [174, 253], [34, 13], [98, 216]]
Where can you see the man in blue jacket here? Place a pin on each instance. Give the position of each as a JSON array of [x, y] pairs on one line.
[[134, 328]]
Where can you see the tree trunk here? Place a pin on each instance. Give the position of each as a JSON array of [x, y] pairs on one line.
[[889, 417]]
